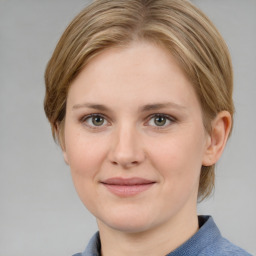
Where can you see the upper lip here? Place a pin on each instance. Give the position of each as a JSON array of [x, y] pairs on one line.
[[127, 181]]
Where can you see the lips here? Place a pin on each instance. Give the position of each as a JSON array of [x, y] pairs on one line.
[[127, 187]]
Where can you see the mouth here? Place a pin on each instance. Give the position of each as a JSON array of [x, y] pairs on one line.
[[127, 187]]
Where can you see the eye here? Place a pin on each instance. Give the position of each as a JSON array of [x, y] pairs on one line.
[[94, 120], [160, 120]]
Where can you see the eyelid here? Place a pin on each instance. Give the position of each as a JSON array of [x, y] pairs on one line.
[[171, 118]]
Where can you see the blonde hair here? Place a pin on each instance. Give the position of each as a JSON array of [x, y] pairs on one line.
[[177, 25]]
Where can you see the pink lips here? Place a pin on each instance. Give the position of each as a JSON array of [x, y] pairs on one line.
[[127, 187]]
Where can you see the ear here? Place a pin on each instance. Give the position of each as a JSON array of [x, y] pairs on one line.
[[64, 152], [65, 157], [216, 142], [60, 136]]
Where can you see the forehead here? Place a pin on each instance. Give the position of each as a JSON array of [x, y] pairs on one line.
[[140, 72]]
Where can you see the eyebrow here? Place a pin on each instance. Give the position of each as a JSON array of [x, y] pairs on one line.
[[92, 106], [145, 108], [156, 106]]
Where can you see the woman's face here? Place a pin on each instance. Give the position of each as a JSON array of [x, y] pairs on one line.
[[134, 138]]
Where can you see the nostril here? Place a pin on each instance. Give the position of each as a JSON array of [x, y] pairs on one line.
[[126, 164]]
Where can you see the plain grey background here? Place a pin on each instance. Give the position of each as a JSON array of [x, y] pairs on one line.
[[40, 213]]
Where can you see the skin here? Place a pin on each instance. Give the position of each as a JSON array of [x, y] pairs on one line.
[[128, 88]]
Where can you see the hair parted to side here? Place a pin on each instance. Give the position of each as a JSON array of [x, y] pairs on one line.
[[177, 25]]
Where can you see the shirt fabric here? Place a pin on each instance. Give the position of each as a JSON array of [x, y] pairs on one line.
[[207, 241]]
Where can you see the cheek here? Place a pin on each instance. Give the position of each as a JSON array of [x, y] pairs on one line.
[[85, 156], [82, 151], [85, 160], [179, 158], [179, 164]]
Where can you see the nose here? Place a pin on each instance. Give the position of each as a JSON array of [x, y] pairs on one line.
[[127, 148]]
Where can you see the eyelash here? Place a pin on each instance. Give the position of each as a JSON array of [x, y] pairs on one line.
[[168, 118]]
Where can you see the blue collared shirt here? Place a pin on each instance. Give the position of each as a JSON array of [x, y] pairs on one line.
[[206, 242]]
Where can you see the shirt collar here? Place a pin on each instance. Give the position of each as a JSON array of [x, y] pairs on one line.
[[94, 246], [207, 234]]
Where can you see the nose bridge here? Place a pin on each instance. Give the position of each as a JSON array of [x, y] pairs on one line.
[[127, 149]]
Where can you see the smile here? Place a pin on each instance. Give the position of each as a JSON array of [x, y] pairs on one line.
[[127, 187]]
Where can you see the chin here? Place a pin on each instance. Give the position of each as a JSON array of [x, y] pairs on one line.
[[132, 223], [130, 228]]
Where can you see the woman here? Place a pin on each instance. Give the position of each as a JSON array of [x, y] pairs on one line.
[[139, 96]]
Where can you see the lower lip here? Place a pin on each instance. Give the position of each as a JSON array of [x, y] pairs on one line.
[[128, 190]]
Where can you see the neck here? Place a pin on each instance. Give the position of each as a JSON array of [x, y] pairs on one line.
[[158, 241]]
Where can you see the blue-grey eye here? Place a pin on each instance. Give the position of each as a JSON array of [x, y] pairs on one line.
[[96, 120], [159, 120]]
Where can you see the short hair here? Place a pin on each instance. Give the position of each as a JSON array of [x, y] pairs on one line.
[[179, 26]]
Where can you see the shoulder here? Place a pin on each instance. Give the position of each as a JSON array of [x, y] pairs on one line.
[[223, 247]]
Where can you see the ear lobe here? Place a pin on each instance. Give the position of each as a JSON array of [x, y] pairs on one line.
[[61, 140], [63, 148], [221, 127], [64, 152], [65, 157]]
